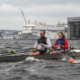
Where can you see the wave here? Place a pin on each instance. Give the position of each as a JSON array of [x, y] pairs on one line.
[[77, 61], [33, 59]]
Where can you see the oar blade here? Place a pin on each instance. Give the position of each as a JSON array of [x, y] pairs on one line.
[[71, 60]]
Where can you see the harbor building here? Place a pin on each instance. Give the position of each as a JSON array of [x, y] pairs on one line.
[[73, 27]]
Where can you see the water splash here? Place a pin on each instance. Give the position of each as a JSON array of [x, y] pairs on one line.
[[64, 59], [32, 59], [77, 61], [75, 51]]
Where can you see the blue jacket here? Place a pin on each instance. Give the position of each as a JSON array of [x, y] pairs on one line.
[[60, 41]]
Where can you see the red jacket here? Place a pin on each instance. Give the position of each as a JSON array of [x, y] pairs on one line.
[[64, 47]]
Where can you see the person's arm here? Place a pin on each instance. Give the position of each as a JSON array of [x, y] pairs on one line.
[[54, 45], [66, 45], [48, 43], [36, 44]]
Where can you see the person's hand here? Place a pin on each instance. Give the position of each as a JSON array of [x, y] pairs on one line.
[[56, 46], [35, 47], [59, 45], [42, 44]]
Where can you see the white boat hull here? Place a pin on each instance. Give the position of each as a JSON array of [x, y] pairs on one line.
[[36, 36]]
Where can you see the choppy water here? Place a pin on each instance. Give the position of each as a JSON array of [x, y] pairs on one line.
[[34, 69]]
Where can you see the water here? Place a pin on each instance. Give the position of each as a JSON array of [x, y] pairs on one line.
[[34, 69]]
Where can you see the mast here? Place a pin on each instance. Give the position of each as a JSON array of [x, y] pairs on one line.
[[23, 16]]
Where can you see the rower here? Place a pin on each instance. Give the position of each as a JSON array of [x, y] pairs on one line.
[[60, 44], [41, 44]]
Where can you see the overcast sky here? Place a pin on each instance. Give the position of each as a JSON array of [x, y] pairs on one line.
[[49, 11]]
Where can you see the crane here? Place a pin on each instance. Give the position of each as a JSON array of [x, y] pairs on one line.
[[23, 16]]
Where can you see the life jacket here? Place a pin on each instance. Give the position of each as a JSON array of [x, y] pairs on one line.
[[42, 40], [60, 41]]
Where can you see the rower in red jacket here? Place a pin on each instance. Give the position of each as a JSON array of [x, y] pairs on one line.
[[60, 44]]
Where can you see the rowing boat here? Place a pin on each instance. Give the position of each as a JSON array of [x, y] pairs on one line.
[[22, 56]]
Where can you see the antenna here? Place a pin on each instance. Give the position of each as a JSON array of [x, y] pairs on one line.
[[23, 16]]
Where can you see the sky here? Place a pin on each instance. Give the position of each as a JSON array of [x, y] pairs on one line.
[[49, 11]]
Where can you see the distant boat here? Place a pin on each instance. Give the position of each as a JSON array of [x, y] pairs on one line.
[[31, 31]]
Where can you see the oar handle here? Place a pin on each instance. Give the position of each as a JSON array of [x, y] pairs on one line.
[[12, 51], [33, 50]]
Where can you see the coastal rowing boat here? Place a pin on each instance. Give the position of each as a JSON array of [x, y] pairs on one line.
[[22, 56]]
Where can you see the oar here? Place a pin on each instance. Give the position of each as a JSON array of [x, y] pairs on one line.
[[70, 59], [13, 51], [8, 54], [71, 47]]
